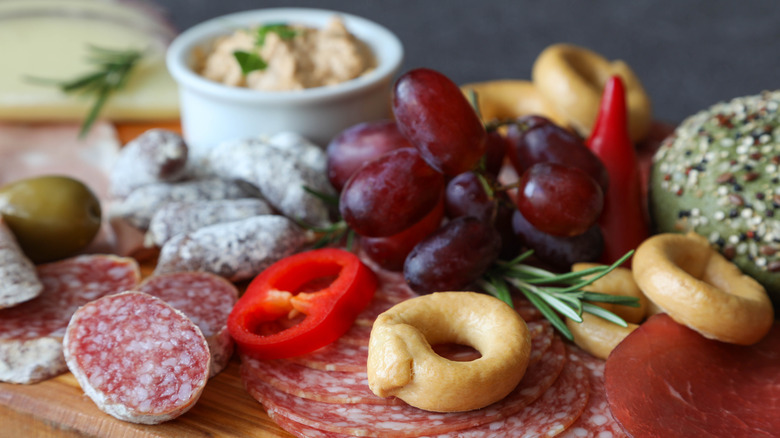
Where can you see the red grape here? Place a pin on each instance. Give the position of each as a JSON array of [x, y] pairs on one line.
[[453, 257], [435, 116], [390, 194], [495, 151], [391, 251], [559, 252], [466, 196], [534, 139], [358, 145], [558, 199]]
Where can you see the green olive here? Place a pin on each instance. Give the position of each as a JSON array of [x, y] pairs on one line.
[[52, 217]]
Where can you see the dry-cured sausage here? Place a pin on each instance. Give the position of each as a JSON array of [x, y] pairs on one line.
[[31, 333], [235, 250], [207, 300], [139, 359]]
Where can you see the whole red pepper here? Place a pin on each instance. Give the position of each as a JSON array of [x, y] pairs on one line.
[[623, 222], [329, 286]]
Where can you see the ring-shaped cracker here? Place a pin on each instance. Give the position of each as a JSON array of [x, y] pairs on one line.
[[701, 289], [572, 79], [402, 363]]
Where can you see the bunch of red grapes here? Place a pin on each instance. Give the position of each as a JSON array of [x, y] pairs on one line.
[[422, 191]]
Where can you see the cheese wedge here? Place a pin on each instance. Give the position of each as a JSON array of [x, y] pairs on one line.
[[50, 39]]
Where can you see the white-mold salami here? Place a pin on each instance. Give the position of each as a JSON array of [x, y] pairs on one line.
[[185, 217], [143, 202], [31, 333], [155, 156], [139, 359], [235, 250], [18, 279], [279, 173], [207, 300]]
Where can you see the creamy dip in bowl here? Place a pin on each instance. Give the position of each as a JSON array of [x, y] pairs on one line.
[[213, 111]]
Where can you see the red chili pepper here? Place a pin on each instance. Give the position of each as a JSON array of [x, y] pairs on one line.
[[622, 221], [284, 289]]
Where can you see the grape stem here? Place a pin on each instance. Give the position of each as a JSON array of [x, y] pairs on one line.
[[556, 294]]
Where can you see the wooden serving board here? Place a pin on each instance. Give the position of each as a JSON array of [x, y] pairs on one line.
[[59, 408]]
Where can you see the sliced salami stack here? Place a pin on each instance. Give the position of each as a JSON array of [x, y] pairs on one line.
[[31, 333], [326, 394]]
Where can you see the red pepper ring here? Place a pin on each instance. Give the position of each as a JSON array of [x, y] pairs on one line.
[[277, 291]]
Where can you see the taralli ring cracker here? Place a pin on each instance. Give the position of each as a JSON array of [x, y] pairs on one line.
[[572, 79], [596, 335], [402, 363], [699, 288], [511, 98]]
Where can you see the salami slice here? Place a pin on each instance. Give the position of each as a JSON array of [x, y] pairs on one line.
[[548, 416], [18, 279], [596, 420], [403, 420], [666, 380], [207, 300], [31, 333], [301, 430], [338, 356], [139, 359], [325, 386]]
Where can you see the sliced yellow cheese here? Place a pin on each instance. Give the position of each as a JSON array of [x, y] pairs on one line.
[[50, 39]]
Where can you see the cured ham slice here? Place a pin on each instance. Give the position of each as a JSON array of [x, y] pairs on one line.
[[666, 380]]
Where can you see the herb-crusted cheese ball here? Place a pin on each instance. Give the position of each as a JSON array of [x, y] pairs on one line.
[[719, 175]]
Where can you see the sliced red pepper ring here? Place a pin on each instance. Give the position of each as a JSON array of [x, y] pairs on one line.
[[285, 289]]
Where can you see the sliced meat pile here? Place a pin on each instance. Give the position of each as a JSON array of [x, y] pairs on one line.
[[666, 380], [326, 394], [31, 333]]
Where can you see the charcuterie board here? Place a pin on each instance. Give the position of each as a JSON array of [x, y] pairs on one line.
[[59, 407]]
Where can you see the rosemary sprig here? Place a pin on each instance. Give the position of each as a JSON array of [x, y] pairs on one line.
[[555, 294], [112, 70]]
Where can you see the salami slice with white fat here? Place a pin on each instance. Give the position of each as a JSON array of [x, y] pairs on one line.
[[340, 387], [596, 420], [18, 279], [403, 420], [31, 333], [207, 300], [139, 359]]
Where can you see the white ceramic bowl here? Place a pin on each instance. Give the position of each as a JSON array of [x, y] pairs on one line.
[[212, 112]]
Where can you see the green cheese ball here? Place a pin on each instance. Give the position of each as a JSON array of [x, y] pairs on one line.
[[719, 175]]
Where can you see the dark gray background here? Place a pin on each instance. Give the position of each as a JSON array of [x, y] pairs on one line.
[[689, 54]]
